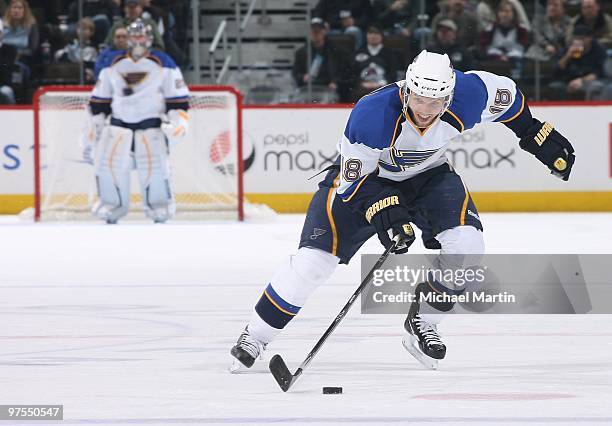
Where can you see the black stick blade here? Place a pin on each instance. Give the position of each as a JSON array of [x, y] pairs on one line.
[[281, 373]]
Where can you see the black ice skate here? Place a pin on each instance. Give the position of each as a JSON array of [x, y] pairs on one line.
[[246, 350], [422, 341]]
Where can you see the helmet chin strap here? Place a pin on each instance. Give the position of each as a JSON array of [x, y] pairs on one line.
[[406, 94]]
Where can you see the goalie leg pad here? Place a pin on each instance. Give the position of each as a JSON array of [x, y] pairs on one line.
[[288, 291], [112, 168], [153, 165]]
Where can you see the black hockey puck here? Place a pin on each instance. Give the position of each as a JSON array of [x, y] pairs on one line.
[[331, 390]]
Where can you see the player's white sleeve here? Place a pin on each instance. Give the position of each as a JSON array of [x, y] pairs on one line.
[[504, 100], [176, 93], [173, 86], [103, 88], [356, 163]]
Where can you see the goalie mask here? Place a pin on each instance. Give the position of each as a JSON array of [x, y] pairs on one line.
[[430, 75], [140, 39]]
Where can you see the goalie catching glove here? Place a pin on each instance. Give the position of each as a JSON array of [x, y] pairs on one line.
[[176, 126], [390, 218], [550, 147], [92, 135]]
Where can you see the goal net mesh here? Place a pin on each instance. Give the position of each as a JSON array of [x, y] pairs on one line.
[[205, 172]]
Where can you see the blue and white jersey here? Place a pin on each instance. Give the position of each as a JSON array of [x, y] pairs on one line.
[[139, 90], [379, 138]]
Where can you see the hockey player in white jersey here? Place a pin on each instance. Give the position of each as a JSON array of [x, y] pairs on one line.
[[392, 171], [138, 109]]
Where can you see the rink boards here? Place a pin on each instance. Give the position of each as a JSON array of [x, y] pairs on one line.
[[286, 145]]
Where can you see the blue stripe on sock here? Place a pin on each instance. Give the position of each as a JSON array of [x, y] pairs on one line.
[[280, 302]]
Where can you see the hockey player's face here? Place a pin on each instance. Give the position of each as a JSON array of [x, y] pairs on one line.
[[425, 110], [137, 45], [140, 39]]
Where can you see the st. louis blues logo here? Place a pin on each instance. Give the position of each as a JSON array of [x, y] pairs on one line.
[[132, 78], [404, 159]]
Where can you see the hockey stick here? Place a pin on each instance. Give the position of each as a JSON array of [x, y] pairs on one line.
[[279, 368]]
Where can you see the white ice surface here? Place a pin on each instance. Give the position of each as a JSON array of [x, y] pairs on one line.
[[132, 324]]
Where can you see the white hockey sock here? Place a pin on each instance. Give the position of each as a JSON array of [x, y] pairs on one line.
[[288, 290]]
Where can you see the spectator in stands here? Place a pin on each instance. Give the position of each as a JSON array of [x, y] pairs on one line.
[[580, 66], [328, 69], [102, 12], [14, 75], [176, 20], [466, 21], [133, 10], [8, 54], [21, 30], [484, 10], [445, 41], [550, 31], [394, 16], [373, 65], [166, 26], [592, 15], [120, 39], [120, 42], [606, 92], [507, 41], [345, 16], [154, 13], [73, 51]]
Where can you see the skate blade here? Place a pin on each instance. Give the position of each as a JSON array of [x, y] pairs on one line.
[[410, 344], [236, 367]]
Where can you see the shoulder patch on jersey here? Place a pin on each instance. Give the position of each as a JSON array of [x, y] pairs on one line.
[[453, 120], [376, 119], [162, 58], [116, 56], [469, 100]]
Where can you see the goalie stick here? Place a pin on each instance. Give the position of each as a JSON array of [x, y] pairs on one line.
[[279, 368]]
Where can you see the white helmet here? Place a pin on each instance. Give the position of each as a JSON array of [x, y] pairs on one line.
[[430, 75]]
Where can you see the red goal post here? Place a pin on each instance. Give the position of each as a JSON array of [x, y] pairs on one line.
[[207, 167]]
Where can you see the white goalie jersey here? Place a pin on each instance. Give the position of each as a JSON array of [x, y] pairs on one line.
[[140, 90]]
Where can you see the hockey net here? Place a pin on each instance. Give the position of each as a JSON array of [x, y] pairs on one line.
[[206, 170]]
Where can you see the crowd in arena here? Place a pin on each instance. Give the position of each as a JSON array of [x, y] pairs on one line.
[[360, 45], [43, 41], [357, 45]]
